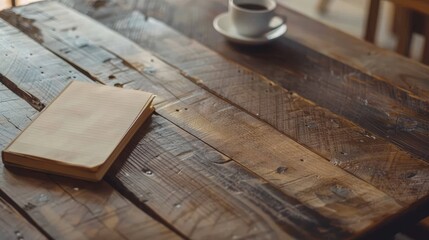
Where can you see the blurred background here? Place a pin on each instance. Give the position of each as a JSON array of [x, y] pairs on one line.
[[350, 16]]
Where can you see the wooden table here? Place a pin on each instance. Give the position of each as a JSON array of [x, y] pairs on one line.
[[316, 136]]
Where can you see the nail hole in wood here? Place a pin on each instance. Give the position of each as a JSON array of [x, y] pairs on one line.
[[112, 77], [281, 170]]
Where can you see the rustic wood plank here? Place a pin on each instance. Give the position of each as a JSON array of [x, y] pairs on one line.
[[347, 49], [197, 170], [392, 170], [193, 191], [63, 208], [15, 226], [67, 208], [232, 215], [381, 92], [254, 144], [208, 195], [226, 218], [392, 101], [331, 136]]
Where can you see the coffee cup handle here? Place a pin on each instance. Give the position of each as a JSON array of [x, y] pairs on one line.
[[275, 23]]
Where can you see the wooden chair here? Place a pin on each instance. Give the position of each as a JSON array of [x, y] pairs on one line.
[[405, 11], [405, 25]]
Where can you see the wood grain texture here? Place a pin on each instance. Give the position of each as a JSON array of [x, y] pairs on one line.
[[208, 195], [375, 89], [234, 217], [392, 170], [63, 208], [310, 179], [340, 141], [15, 226]]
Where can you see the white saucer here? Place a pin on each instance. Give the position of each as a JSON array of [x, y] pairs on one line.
[[223, 25]]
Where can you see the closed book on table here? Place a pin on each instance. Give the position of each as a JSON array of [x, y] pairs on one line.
[[81, 132]]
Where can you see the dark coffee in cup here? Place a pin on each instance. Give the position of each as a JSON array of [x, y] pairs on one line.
[[253, 7], [253, 17]]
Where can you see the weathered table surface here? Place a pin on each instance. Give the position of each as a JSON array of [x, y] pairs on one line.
[[316, 136]]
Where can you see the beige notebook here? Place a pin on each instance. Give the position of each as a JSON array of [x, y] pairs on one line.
[[81, 132]]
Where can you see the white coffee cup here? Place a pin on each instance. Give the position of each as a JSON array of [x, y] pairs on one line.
[[254, 17]]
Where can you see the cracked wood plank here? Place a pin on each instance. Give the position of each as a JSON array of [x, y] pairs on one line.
[[63, 208], [254, 144]]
